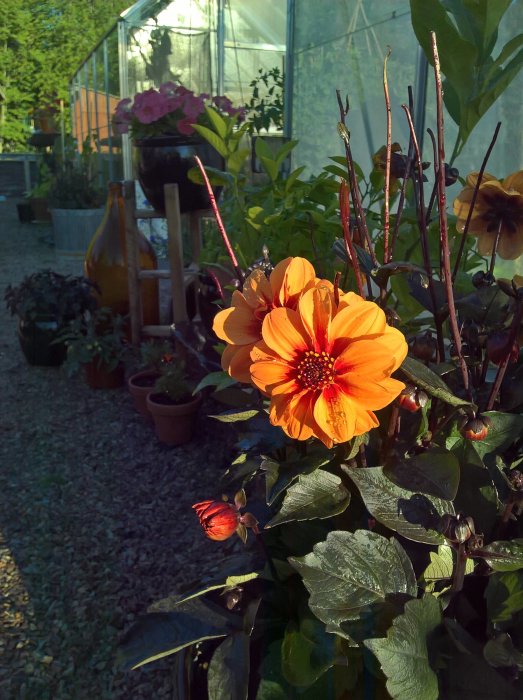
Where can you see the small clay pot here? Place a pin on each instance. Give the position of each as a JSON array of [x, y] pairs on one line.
[[140, 385], [173, 422]]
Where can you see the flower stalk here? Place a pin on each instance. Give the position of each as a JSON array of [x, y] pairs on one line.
[[386, 212]]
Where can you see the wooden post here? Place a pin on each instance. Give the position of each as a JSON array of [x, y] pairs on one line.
[[175, 252], [133, 262]]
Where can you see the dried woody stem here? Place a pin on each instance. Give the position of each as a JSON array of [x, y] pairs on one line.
[[219, 222], [353, 182], [442, 204], [406, 175], [386, 212], [473, 200], [514, 329], [423, 235], [347, 234]]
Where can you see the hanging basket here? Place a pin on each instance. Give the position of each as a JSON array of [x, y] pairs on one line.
[[168, 159]]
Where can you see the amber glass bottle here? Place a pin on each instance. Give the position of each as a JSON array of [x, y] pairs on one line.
[[106, 261]]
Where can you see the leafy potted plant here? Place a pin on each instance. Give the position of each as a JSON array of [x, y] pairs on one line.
[[161, 123], [76, 201], [141, 382], [172, 404], [44, 302], [96, 344], [38, 196]]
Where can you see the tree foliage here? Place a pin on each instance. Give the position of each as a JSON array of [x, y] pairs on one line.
[[42, 43]]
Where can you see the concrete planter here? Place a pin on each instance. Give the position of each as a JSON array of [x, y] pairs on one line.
[[73, 230]]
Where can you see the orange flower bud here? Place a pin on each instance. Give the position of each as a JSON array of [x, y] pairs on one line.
[[412, 398], [476, 428], [218, 519]]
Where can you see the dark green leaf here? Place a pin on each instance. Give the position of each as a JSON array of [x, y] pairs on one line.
[[502, 652], [504, 555], [307, 651], [413, 515], [404, 655], [228, 675], [381, 275], [504, 595], [504, 429], [435, 472], [235, 416], [316, 495], [426, 379], [469, 677], [351, 572], [156, 635], [278, 475]]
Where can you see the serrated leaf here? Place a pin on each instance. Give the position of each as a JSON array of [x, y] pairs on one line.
[[435, 472], [504, 555], [404, 655], [228, 674], [413, 515], [502, 652], [426, 379], [441, 566], [504, 429], [316, 495], [235, 416], [217, 379], [279, 475], [349, 573]]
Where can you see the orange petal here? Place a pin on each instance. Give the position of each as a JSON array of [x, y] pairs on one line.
[[267, 375], [335, 414], [283, 332], [370, 394], [294, 413], [472, 178], [366, 359], [315, 309], [510, 245], [358, 321], [365, 421], [236, 360], [486, 241], [514, 182], [237, 325], [257, 290], [288, 280]]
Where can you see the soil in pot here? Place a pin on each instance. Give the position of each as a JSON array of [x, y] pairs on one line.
[[140, 385], [173, 422]]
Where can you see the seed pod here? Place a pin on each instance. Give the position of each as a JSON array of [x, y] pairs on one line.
[[423, 347], [451, 175], [482, 279], [476, 428]]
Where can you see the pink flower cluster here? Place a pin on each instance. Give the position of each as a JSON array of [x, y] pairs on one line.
[[173, 109]]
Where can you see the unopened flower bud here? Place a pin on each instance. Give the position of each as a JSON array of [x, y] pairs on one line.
[[423, 347], [218, 519], [482, 279], [412, 398], [451, 175], [498, 348], [476, 428]]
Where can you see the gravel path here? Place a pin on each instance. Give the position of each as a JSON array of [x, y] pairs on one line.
[[95, 514]]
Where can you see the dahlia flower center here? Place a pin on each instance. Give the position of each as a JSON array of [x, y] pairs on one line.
[[315, 370]]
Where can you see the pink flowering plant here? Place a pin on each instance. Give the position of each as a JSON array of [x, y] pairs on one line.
[[172, 109]]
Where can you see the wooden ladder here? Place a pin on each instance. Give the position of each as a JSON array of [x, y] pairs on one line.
[[181, 278]]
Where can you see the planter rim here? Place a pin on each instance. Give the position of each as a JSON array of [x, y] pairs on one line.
[[141, 373], [173, 409], [169, 140]]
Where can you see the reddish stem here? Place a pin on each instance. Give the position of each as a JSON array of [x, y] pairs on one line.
[[442, 209], [347, 234], [386, 212], [219, 222]]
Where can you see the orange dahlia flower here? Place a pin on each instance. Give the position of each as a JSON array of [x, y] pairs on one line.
[[240, 325], [327, 369], [499, 206]]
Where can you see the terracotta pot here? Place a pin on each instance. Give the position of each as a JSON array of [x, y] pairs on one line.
[[140, 386], [173, 422], [102, 377], [167, 159]]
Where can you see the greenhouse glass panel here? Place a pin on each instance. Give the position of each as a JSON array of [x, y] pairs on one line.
[[343, 47]]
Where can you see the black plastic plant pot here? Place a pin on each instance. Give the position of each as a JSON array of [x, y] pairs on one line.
[[25, 212], [36, 340]]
